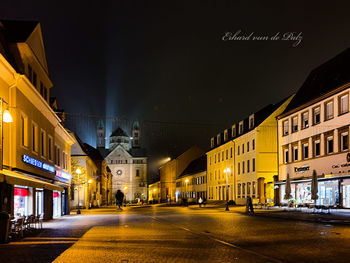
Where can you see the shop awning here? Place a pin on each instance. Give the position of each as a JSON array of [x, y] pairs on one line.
[[17, 178]]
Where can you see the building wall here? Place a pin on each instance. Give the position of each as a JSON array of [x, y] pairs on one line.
[[154, 192], [191, 187], [325, 163]]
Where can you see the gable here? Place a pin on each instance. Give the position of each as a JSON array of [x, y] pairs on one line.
[[36, 43], [118, 153]]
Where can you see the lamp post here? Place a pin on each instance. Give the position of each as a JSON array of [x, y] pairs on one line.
[[78, 172], [89, 189], [226, 171], [186, 181], [5, 118]]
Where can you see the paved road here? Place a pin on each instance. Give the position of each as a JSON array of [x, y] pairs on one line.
[[163, 234]]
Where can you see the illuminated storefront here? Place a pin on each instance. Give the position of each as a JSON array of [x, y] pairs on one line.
[[22, 201]]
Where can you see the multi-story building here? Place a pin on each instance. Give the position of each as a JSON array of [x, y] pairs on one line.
[[242, 161], [313, 135], [192, 182], [154, 193], [85, 190], [128, 163], [171, 170], [35, 151]]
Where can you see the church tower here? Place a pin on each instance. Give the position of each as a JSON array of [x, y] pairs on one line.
[[136, 134], [100, 135]]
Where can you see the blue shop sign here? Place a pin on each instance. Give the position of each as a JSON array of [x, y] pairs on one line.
[[37, 163]]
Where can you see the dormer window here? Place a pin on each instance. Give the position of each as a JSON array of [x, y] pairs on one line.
[[251, 121], [234, 130], [218, 138], [225, 135], [212, 142], [240, 127]]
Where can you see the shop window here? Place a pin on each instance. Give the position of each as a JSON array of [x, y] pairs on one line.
[[344, 104], [316, 115], [24, 130], [317, 148], [344, 141], [305, 119], [329, 110], [295, 124], [305, 151], [329, 145], [285, 127], [295, 154], [253, 165]]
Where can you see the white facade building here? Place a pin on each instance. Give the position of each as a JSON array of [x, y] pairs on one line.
[[313, 135]]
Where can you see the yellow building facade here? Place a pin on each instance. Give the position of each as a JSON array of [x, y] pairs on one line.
[[252, 167]]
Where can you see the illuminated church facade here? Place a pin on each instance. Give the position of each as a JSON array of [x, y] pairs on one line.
[[127, 161]]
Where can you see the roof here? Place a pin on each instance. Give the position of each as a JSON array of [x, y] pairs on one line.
[[100, 124], [196, 166], [137, 152], [323, 79], [93, 153], [18, 31], [119, 132], [259, 117]]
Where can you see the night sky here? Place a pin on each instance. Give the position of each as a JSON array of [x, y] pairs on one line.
[[164, 62]]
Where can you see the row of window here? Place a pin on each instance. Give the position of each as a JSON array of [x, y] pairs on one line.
[[194, 181], [42, 143], [32, 76], [233, 131], [343, 102], [217, 175], [248, 148], [316, 144], [244, 170], [246, 189], [126, 161]]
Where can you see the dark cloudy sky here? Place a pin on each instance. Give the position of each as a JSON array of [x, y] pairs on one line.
[[166, 60]]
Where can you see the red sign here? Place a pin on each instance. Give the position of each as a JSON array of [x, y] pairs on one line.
[[55, 195], [21, 192]]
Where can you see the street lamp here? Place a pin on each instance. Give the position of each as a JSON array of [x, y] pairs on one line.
[[89, 183], [78, 172], [5, 118], [186, 181], [226, 171]]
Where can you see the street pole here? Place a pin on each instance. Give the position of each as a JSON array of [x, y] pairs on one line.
[[226, 171]]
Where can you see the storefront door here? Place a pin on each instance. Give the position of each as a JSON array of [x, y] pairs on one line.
[[57, 205]]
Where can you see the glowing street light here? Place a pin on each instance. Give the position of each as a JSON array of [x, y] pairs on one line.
[[226, 171], [5, 118]]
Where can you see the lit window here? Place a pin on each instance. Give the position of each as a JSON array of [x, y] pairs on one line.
[[344, 104], [286, 127], [329, 110], [316, 115], [35, 137], [305, 119]]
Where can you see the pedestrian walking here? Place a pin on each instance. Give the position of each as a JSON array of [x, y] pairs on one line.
[[200, 201], [119, 197], [249, 205]]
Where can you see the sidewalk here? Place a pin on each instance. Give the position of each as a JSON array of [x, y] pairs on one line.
[[334, 216]]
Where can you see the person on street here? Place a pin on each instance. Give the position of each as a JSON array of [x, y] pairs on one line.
[[119, 197], [249, 205], [200, 201]]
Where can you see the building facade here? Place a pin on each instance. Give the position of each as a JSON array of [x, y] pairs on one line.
[[243, 161], [313, 135], [35, 175], [171, 170], [154, 193], [128, 164], [192, 183]]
